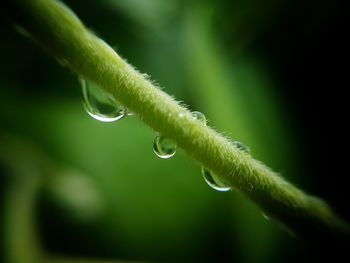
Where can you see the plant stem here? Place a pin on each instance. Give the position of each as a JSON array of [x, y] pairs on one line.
[[55, 28]]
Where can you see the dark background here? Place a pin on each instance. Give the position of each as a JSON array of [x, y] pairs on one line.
[[271, 74]]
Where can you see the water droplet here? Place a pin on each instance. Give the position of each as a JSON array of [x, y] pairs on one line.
[[99, 104], [163, 147], [208, 176], [199, 116], [241, 146], [213, 181]]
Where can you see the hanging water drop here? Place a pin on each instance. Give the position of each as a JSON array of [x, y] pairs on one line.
[[199, 116], [164, 147], [213, 181], [208, 176], [99, 104], [241, 146]]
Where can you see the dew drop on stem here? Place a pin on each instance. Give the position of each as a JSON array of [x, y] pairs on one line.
[[212, 180], [164, 147], [199, 116], [99, 104]]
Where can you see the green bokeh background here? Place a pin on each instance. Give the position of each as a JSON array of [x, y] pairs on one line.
[[74, 187]]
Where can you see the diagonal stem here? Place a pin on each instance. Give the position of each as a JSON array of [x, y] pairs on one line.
[[56, 29]]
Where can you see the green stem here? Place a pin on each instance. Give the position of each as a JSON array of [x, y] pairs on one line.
[[62, 34]]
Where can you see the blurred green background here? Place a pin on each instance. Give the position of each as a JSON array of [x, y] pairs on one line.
[[73, 187]]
